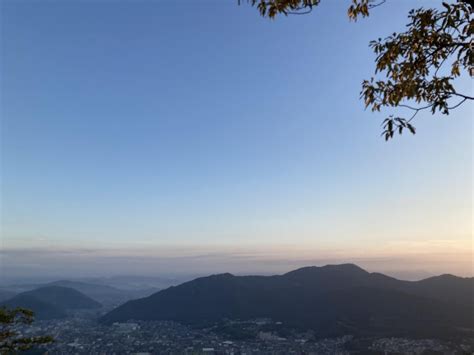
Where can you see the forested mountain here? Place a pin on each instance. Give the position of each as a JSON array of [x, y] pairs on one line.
[[331, 299], [51, 301]]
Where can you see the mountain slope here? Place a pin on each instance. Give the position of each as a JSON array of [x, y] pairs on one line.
[[101, 293], [329, 299], [6, 295], [63, 297], [448, 288], [106, 295], [51, 301], [43, 310]]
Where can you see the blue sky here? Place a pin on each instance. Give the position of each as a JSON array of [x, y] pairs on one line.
[[159, 123]]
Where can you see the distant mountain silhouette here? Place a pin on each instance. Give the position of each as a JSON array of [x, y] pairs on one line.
[[138, 282], [51, 301], [332, 299], [447, 288], [43, 310], [106, 295], [6, 294]]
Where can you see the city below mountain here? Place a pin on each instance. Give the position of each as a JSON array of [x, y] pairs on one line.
[[331, 300]]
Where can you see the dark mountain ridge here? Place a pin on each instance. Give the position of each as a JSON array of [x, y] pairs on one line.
[[52, 301], [43, 310], [63, 297], [105, 294], [102, 293], [6, 294], [329, 299]]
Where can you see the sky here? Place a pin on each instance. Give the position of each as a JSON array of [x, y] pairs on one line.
[[162, 136]]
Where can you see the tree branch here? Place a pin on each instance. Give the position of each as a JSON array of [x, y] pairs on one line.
[[463, 96], [371, 6]]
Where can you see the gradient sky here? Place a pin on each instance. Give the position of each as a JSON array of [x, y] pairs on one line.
[[142, 127]]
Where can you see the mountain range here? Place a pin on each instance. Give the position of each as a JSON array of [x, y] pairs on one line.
[[331, 300]]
